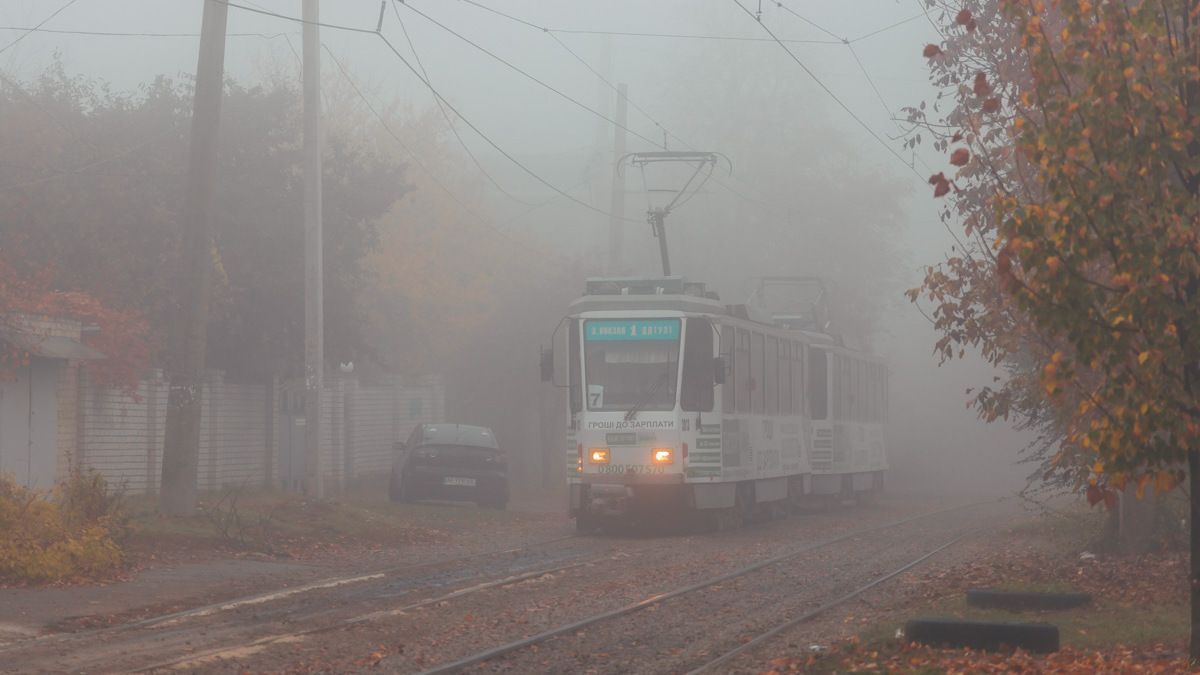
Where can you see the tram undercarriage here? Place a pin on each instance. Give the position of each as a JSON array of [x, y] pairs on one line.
[[715, 506]]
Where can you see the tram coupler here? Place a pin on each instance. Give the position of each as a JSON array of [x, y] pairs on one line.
[[609, 500]]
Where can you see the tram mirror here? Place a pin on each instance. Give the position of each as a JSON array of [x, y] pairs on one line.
[[547, 364], [719, 367]]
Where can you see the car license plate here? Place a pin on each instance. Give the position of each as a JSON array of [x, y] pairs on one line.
[[451, 480]]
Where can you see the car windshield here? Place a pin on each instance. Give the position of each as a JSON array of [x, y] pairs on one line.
[[631, 364]]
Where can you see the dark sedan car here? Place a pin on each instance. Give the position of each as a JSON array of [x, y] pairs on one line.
[[453, 462]]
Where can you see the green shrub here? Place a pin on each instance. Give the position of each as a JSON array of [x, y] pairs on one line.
[[71, 532]]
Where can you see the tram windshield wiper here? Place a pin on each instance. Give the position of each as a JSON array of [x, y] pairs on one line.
[[648, 396]]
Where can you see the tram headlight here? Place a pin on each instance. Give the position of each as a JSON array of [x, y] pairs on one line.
[[598, 455], [663, 455]]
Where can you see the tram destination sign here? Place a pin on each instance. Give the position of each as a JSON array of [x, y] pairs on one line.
[[640, 329]]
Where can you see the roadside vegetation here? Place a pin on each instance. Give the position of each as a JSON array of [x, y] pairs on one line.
[[87, 530], [1137, 620], [74, 532]]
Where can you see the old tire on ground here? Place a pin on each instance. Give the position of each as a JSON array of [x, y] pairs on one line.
[[1022, 600], [1039, 638]]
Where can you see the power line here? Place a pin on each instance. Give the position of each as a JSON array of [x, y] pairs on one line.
[[507, 155], [45, 21], [887, 28], [482, 220], [446, 116], [829, 91], [492, 143], [296, 19], [630, 34], [525, 73], [100, 33], [806, 20], [610, 85]]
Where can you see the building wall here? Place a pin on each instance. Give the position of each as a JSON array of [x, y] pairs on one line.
[[29, 424]]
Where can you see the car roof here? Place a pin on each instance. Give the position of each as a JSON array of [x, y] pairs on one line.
[[457, 434]]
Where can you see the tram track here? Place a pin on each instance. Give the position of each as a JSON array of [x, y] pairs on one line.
[[178, 620], [657, 599], [765, 636], [262, 629]]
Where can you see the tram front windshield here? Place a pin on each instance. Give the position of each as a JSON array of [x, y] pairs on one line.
[[631, 364]]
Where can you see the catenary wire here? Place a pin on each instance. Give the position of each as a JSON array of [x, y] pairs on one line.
[[103, 33], [449, 122], [829, 91], [44, 21], [846, 108], [808, 21], [482, 220], [530, 76], [667, 132], [416, 73]]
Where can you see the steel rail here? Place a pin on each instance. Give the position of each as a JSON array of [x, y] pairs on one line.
[[259, 598], [501, 650], [790, 623]]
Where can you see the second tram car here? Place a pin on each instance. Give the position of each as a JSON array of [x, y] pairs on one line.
[[680, 403]]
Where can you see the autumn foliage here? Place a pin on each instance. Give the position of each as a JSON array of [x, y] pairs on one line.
[[1077, 185], [1078, 197], [73, 532], [120, 334]]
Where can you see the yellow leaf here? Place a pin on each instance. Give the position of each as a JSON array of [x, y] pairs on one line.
[[1142, 357]]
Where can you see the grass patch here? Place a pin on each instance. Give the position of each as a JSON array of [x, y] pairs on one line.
[[1102, 624], [282, 523]]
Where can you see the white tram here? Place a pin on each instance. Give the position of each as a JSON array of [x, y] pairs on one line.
[[681, 403]]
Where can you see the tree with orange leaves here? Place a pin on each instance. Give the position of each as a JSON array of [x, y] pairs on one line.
[[1073, 130], [121, 335]]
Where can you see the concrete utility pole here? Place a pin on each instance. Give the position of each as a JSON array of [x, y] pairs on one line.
[[314, 312], [616, 209], [189, 337]]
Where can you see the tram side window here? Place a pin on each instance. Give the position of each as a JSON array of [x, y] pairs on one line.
[[697, 393], [741, 367], [818, 384], [771, 376], [729, 390], [756, 373], [785, 377], [575, 381]]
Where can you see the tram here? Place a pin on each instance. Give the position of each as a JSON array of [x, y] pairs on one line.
[[680, 403]]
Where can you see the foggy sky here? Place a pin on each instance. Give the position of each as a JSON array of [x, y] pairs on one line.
[[927, 403]]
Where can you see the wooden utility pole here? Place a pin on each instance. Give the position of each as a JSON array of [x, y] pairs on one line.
[[314, 312], [616, 209], [181, 447]]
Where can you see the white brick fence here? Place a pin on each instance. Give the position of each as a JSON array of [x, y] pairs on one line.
[[250, 432]]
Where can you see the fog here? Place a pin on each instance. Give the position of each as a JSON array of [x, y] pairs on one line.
[[811, 187]]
